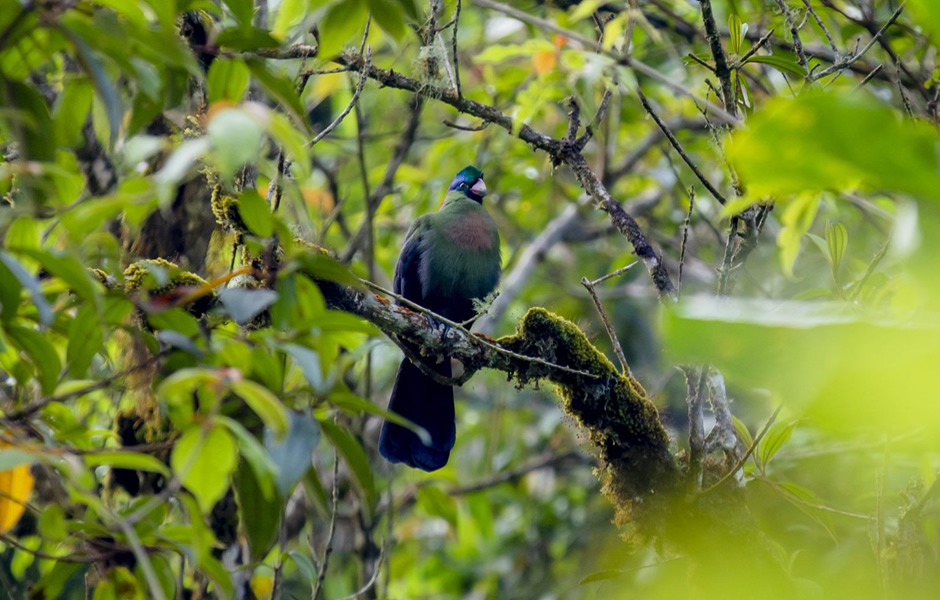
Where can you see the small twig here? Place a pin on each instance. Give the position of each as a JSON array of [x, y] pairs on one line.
[[870, 76], [871, 269], [427, 370], [363, 76], [616, 273], [371, 582], [675, 144], [454, 46], [850, 60], [753, 49], [328, 548], [618, 350], [70, 558], [685, 238], [574, 119], [143, 561], [904, 99], [795, 33], [722, 71], [598, 117], [750, 450], [701, 62], [474, 338], [819, 21], [483, 125]]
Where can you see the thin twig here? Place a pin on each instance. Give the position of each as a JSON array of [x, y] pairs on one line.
[[328, 548], [613, 274], [750, 450], [819, 21], [753, 49], [905, 101], [722, 71], [371, 582], [454, 45], [363, 76], [685, 238], [618, 350], [871, 269], [598, 117], [453, 125], [849, 60], [675, 144], [795, 34], [143, 561], [869, 77]]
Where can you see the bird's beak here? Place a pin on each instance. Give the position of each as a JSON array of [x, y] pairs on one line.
[[479, 188]]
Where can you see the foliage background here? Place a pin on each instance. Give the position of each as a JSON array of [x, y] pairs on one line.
[[147, 130]]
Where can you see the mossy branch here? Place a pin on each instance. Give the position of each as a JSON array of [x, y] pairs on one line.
[[613, 407]]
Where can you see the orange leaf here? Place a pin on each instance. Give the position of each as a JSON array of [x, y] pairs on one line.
[[544, 61]]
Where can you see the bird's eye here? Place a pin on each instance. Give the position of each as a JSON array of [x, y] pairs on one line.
[[463, 185]]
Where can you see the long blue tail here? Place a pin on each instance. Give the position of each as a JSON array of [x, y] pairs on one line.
[[424, 402]]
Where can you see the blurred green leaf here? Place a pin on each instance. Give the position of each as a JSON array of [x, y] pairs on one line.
[[204, 459], [355, 457], [228, 79], [256, 213], [842, 155], [127, 460], [264, 403], [260, 514], [85, 339], [342, 26], [293, 453], [236, 137], [778, 435], [783, 64], [436, 502], [244, 305], [40, 351]]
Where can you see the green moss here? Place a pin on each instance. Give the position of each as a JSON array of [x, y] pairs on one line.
[[140, 276], [612, 407], [107, 280], [225, 209]]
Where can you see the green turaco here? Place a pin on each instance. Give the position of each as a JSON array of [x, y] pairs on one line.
[[450, 258]]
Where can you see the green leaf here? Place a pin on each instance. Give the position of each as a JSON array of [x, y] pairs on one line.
[[243, 10], [245, 39], [737, 30], [742, 432], [841, 156], [388, 14], [293, 454], [837, 240], [104, 86], [256, 213], [12, 457], [323, 266], [204, 460], [781, 63], [773, 441], [264, 403], [31, 121], [71, 111], [236, 137], [260, 514], [243, 305], [40, 352], [228, 79], [342, 26], [355, 405], [281, 89], [67, 269], [128, 460], [10, 289], [290, 13], [252, 451], [436, 502], [309, 362], [85, 339], [304, 565], [355, 457]]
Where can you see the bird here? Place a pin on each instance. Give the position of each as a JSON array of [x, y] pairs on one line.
[[450, 258]]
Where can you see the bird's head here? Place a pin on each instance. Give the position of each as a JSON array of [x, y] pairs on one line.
[[469, 181]]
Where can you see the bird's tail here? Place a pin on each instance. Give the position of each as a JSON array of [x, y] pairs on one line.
[[426, 403]]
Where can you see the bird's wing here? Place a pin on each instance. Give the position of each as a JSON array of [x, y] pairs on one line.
[[408, 267]]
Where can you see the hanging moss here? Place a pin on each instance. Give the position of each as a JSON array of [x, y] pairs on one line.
[[139, 277], [612, 407], [225, 209]]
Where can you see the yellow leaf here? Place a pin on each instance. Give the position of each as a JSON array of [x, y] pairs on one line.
[[15, 487]]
